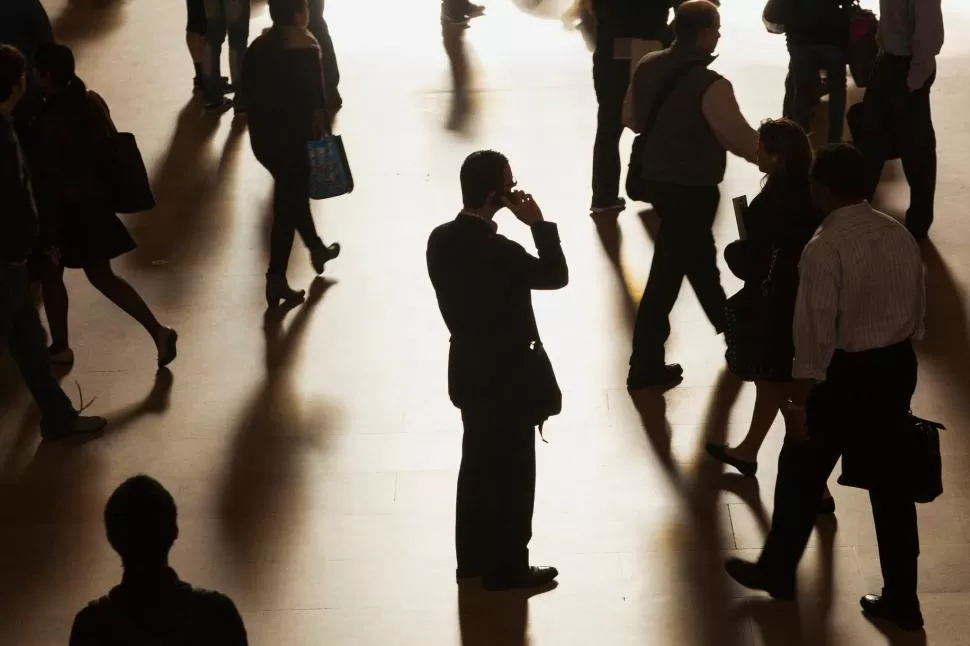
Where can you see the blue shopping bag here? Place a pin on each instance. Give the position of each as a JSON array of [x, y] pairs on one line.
[[330, 174]]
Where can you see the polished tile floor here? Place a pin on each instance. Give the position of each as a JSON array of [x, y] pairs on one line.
[[313, 455]]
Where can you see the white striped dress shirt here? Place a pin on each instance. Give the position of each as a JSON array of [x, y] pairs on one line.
[[860, 288]]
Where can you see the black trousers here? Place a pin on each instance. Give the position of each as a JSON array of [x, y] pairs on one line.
[[684, 248], [331, 71], [905, 117], [291, 215], [20, 327], [496, 495], [610, 80], [861, 389]]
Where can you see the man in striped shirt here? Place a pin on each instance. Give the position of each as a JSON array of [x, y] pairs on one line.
[[861, 299]]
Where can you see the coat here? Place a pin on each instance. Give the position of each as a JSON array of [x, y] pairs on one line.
[[483, 282]]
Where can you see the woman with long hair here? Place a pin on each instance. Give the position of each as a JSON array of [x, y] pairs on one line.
[[79, 228], [284, 88], [778, 224]]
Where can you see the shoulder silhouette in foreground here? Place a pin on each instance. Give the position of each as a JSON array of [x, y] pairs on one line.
[[152, 605], [498, 373]]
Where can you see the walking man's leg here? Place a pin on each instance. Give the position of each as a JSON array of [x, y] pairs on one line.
[[215, 36], [610, 80], [700, 253], [918, 152], [652, 327], [20, 325]]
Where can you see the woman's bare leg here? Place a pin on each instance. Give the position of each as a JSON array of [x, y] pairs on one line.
[[770, 397]]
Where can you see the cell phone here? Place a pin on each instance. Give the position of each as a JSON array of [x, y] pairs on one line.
[[511, 197]]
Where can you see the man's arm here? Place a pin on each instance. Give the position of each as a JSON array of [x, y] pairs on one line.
[[815, 325], [927, 42], [549, 270], [729, 125], [15, 201]]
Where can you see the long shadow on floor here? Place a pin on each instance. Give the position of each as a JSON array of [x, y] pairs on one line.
[[183, 183], [462, 110], [946, 346], [494, 618], [53, 491], [82, 21], [262, 496], [611, 239], [710, 597]]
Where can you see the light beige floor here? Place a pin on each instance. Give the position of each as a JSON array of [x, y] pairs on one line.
[[314, 458]]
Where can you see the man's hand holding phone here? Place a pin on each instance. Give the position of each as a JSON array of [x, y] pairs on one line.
[[523, 206]]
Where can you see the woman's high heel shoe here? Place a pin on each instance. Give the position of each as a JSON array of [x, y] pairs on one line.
[[277, 290], [321, 255]]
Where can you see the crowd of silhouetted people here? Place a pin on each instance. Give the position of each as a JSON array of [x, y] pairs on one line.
[[833, 291]]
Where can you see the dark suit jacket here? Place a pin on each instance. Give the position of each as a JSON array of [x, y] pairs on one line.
[[484, 284]]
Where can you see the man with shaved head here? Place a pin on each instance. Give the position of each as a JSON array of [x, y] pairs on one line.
[[687, 119]]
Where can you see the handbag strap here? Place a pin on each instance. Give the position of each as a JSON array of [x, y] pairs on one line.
[[768, 283], [668, 87]]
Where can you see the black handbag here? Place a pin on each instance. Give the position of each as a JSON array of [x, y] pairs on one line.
[[752, 327], [902, 458], [636, 188], [126, 179], [129, 187], [544, 395]]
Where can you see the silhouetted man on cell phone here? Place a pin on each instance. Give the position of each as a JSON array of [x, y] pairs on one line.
[[498, 373]]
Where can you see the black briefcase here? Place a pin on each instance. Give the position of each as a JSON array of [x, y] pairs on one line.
[[904, 460]]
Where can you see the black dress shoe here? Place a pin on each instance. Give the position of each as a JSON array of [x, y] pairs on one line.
[[719, 453], [667, 377], [750, 576], [534, 577], [907, 617]]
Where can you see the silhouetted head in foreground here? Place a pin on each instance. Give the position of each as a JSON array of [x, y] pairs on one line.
[[698, 23], [54, 67], [838, 177], [289, 13], [141, 522], [486, 178]]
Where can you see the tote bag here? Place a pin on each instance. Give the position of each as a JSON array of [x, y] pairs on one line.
[[330, 174], [128, 187]]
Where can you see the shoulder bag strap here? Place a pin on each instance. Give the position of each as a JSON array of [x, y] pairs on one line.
[[668, 87]]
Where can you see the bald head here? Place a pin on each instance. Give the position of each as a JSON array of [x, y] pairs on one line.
[[698, 22]]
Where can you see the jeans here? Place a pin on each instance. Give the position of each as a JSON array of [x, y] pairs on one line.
[[904, 117], [291, 215], [610, 80], [860, 387], [20, 326], [328, 57], [496, 495], [224, 17], [684, 248], [802, 84]]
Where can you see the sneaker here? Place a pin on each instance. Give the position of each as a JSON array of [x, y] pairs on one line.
[[79, 426], [61, 358]]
